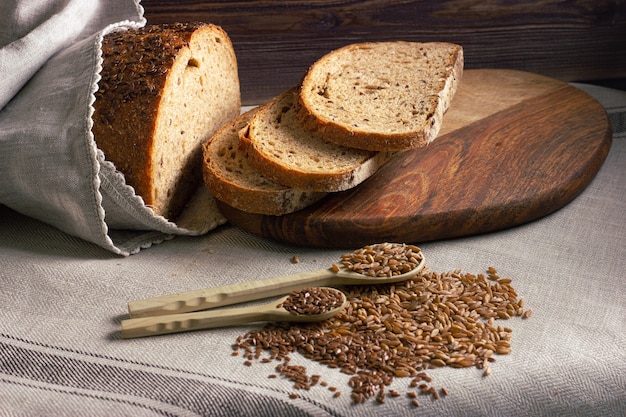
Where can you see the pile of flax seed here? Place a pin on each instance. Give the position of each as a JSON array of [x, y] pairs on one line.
[[397, 331]]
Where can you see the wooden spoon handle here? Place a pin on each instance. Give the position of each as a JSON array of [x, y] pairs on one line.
[[230, 294], [176, 323]]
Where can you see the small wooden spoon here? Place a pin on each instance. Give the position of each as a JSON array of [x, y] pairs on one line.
[[254, 290], [183, 322]]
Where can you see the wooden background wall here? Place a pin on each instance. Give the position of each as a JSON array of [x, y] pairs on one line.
[[275, 41]]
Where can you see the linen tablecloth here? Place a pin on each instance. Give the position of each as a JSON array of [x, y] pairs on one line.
[[62, 300]]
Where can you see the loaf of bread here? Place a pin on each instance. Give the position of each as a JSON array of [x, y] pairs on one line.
[[164, 90], [381, 95], [282, 150], [231, 179]]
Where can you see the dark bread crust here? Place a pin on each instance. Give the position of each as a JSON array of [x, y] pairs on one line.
[[135, 68]]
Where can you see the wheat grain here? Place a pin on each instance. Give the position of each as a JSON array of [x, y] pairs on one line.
[[399, 331]]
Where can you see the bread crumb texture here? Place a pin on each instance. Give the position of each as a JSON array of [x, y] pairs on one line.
[[280, 148], [284, 139], [232, 180], [394, 93]]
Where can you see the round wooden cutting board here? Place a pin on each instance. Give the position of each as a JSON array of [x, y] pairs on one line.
[[513, 147]]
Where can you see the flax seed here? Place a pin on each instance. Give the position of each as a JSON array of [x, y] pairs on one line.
[[312, 300]]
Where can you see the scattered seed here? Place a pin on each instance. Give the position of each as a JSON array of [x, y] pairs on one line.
[[397, 331]]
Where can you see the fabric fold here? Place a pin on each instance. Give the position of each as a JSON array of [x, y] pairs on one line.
[[33, 34], [50, 166]]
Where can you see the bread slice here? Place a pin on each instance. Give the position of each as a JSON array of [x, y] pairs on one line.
[[231, 179], [165, 89], [381, 95], [283, 151]]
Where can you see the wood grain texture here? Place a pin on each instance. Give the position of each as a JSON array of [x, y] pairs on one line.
[[276, 42], [514, 147]]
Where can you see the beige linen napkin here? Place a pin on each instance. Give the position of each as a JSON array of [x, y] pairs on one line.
[[50, 167]]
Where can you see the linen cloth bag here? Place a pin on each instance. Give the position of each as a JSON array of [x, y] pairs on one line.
[[50, 166]]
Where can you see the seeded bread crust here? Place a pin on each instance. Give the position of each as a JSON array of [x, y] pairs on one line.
[[165, 89], [381, 95], [282, 150], [231, 179]]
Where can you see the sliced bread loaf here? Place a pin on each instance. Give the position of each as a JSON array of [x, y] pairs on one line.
[[165, 89], [282, 150], [231, 179], [381, 95]]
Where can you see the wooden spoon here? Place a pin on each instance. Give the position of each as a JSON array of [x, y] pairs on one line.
[[254, 290], [183, 322]]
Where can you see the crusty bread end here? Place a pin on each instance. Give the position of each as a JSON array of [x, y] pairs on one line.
[[165, 89]]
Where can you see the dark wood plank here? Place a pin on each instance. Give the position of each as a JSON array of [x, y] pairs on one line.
[[514, 147], [277, 41]]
